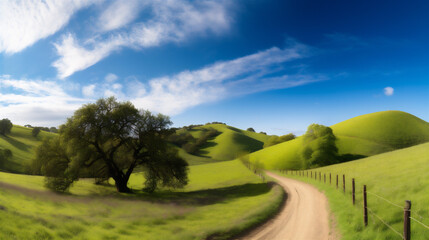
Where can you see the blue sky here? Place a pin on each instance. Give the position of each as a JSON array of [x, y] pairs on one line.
[[274, 65]]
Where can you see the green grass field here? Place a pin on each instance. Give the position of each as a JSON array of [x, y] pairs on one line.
[[221, 200], [367, 135], [396, 176], [22, 144]]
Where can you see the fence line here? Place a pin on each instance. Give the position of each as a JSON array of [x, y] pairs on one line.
[[370, 211], [419, 222], [407, 209], [396, 205]]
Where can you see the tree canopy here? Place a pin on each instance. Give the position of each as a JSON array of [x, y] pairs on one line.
[[117, 137], [319, 146], [5, 126], [276, 139], [35, 131], [5, 155]]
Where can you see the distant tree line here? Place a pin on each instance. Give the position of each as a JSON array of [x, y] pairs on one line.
[[276, 139], [46, 129], [209, 123]]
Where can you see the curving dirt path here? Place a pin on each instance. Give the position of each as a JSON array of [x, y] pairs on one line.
[[305, 215]]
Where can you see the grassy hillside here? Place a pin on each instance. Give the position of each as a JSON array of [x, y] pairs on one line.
[[229, 144], [375, 133], [221, 200], [366, 135], [396, 176], [22, 144]]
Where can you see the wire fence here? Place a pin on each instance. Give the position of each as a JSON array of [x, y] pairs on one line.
[[424, 225], [391, 203], [336, 180], [385, 223]]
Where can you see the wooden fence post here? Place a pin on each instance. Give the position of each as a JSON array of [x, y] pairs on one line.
[[320, 176], [407, 223], [365, 207], [311, 174], [353, 191], [344, 183], [337, 181], [324, 177], [330, 179]]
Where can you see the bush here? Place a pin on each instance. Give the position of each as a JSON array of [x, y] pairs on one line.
[[35, 131], [5, 126], [319, 147], [5, 155], [58, 184], [250, 129]]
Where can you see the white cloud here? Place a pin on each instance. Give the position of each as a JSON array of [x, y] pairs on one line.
[[36, 102], [388, 91], [119, 14], [76, 58], [241, 76], [88, 91], [110, 78], [24, 22], [171, 21]]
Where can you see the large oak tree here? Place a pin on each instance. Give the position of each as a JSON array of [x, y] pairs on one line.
[[116, 137]]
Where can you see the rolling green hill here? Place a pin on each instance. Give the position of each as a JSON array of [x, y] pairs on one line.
[[229, 144], [396, 176], [366, 135], [379, 132], [22, 144]]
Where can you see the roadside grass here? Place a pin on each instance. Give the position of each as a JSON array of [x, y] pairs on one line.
[[221, 200], [396, 176]]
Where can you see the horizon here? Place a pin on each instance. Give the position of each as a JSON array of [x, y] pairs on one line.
[[276, 66]]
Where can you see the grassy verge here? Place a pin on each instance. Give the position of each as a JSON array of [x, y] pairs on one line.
[[221, 200], [396, 176]]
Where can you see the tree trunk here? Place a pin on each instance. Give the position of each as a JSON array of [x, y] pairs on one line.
[[121, 185]]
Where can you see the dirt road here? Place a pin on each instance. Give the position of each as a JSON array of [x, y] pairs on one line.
[[305, 215]]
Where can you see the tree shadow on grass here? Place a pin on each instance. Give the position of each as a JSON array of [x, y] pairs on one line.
[[205, 197], [15, 143]]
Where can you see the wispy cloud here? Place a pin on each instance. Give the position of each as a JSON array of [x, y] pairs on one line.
[[119, 14], [171, 21], [22, 23], [249, 74], [388, 91], [110, 78], [89, 91], [36, 102]]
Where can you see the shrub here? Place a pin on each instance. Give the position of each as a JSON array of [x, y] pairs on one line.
[[5, 126]]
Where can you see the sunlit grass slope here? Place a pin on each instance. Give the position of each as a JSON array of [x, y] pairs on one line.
[[281, 156], [229, 144], [22, 144], [221, 200], [365, 135], [396, 176], [379, 132]]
